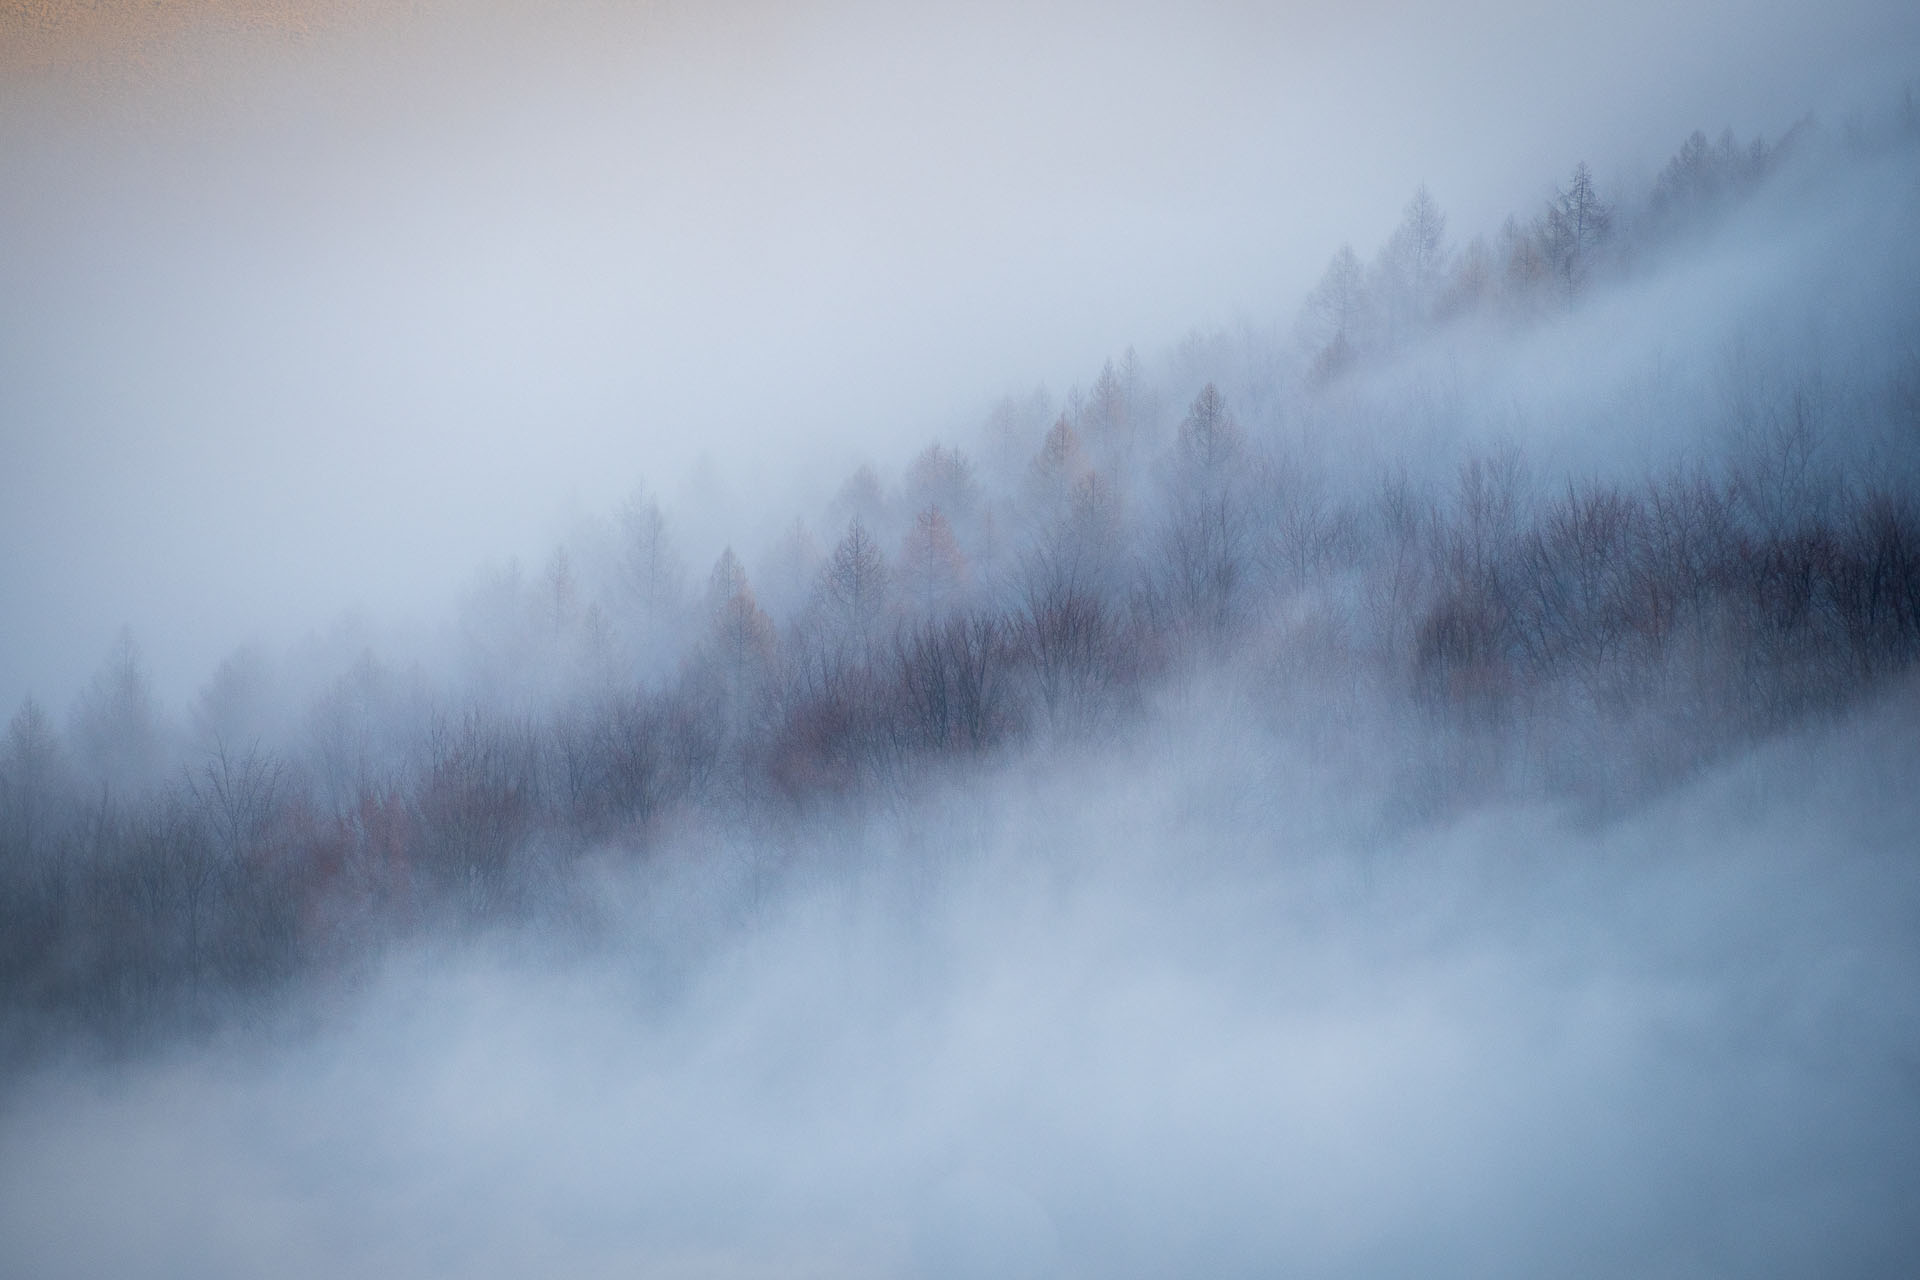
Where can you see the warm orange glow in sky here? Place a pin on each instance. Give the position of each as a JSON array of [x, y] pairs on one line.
[[129, 38]]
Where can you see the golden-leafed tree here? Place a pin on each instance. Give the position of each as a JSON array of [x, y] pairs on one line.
[[933, 569]]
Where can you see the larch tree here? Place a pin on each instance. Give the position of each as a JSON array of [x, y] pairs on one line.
[[1203, 551], [651, 570], [116, 727], [1054, 470], [942, 477], [739, 641], [933, 569], [1412, 266], [1334, 321], [33, 783], [852, 591], [861, 498], [1576, 225]]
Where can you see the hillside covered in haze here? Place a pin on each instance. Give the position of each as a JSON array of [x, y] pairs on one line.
[[1313, 526], [1420, 784]]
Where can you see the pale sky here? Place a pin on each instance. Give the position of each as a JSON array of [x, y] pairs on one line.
[[298, 318]]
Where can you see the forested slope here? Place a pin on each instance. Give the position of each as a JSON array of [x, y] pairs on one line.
[[1543, 513]]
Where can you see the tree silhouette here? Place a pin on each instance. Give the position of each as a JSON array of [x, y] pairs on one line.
[[851, 594], [1411, 267], [933, 570], [1577, 223], [1336, 314]]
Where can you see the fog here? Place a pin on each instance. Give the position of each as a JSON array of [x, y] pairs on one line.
[[1127, 1018], [727, 640], [308, 314]]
